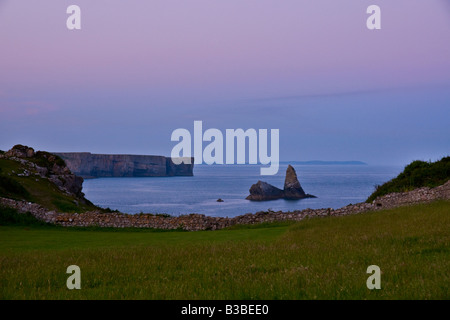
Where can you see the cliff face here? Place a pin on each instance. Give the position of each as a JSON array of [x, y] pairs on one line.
[[89, 165]]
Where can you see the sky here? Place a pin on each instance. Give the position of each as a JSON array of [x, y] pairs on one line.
[[139, 69]]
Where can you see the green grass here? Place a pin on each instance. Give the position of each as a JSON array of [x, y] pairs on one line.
[[36, 189], [10, 217], [313, 259], [10, 188], [416, 175]]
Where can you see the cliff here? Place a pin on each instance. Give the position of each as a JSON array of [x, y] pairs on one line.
[[89, 165]]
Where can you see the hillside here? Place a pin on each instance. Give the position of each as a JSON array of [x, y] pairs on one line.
[[416, 175], [42, 178]]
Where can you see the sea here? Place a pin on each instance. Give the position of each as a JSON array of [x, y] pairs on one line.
[[335, 186]]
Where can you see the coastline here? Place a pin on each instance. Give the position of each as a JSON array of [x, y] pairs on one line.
[[198, 222]]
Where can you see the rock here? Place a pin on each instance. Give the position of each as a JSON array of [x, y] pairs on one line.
[[292, 187], [25, 173], [220, 200], [69, 183], [48, 166], [41, 171], [20, 151], [262, 191]]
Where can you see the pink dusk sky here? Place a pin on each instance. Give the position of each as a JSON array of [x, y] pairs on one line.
[[137, 70]]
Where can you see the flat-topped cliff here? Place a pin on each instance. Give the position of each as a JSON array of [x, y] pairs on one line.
[[90, 165]]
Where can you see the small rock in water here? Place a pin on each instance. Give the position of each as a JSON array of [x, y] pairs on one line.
[[220, 200]]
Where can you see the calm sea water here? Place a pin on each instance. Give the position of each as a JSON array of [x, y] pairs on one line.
[[334, 185]]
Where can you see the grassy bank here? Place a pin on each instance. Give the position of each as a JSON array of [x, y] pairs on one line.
[[313, 259], [36, 189], [417, 174]]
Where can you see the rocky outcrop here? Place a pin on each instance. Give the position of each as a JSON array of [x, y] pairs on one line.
[[195, 222], [89, 165], [292, 187], [20, 151], [263, 191], [47, 166]]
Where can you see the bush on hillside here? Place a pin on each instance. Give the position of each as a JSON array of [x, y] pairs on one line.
[[416, 175], [46, 159]]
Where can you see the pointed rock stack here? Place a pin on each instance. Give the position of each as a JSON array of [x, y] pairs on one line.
[[292, 187], [262, 191]]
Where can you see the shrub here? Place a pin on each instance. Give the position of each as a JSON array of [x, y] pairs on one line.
[[46, 159], [416, 175], [163, 215], [109, 210]]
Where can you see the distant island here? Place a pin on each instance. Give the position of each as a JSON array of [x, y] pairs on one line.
[[320, 162], [311, 162]]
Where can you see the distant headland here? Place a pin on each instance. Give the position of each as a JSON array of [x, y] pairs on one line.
[[90, 165], [320, 162]]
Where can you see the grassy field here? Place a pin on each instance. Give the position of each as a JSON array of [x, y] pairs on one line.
[[313, 259]]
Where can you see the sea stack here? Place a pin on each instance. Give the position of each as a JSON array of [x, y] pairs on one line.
[[263, 191], [292, 187]]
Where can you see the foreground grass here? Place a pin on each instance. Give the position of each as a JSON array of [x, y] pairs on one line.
[[313, 259]]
